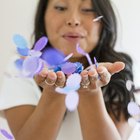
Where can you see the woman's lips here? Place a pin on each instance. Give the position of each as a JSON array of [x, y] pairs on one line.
[[73, 37]]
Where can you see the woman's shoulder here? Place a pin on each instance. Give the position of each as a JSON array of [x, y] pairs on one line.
[[16, 90]]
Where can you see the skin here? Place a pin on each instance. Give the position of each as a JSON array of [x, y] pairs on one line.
[[74, 25], [63, 34]]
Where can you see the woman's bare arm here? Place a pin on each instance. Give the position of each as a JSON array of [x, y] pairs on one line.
[[41, 122], [94, 119], [123, 127], [38, 123]]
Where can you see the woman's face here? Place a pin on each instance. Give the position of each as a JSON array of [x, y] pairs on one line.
[[69, 22]]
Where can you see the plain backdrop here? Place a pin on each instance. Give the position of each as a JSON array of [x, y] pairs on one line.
[[16, 16]]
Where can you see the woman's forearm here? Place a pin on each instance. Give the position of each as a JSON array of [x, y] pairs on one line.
[[45, 121], [94, 119]]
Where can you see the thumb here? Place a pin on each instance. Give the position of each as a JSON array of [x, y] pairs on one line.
[[114, 67]]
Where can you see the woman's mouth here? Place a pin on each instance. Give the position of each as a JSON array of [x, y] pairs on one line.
[[73, 37]]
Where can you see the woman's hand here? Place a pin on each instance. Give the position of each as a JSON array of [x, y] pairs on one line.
[[94, 78], [49, 80]]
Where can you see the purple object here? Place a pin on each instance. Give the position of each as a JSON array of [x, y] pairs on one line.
[[96, 63], [23, 51], [53, 57], [68, 68], [68, 57], [19, 63], [72, 100], [35, 53], [6, 134], [133, 109], [81, 51], [72, 85], [31, 66], [79, 67], [40, 44]]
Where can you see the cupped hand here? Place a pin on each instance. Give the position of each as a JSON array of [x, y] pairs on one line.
[[49, 80], [94, 78]]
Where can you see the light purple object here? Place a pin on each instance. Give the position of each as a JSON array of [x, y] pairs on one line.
[[34, 53], [81, 51], [73, 80], [72, 100], [40, 44], [52, 56], [97, 18], [72, 84], [68, 57], [31, 66], [129, 85], [68, 68], [6, 134], [133, 109], [70, 90], [96, 63], [132, 122]]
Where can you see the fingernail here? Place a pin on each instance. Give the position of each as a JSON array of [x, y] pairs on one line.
[[60, 76], [92, 73], [101, 71], [43, 74], [52, 76], [85, 75]]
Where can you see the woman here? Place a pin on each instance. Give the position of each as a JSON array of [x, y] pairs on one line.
[[102, 110]]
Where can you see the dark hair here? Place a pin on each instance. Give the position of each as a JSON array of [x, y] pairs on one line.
[[104, 52], [39, 29]]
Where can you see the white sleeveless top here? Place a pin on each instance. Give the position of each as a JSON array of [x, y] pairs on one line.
[[24, 91]]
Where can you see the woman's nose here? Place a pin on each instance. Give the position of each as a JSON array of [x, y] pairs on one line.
[[73, 23], [73, 20]]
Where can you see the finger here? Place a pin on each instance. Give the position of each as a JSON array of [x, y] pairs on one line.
[[51, 78], [93, 76], [118, 66], [44, 72], [113, 67], [104, 75], [85, 80], [39, 78], [91, 67], [61, 79]]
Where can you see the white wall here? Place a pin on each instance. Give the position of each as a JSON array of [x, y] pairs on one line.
[[16, 16], [130, 32]]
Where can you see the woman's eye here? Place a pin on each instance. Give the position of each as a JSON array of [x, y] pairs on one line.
[[88, 10], [60, 8]]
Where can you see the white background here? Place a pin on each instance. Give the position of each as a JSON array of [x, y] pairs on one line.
[[16, 16]]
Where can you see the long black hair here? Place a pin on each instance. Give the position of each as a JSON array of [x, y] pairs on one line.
[[115, 93]]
